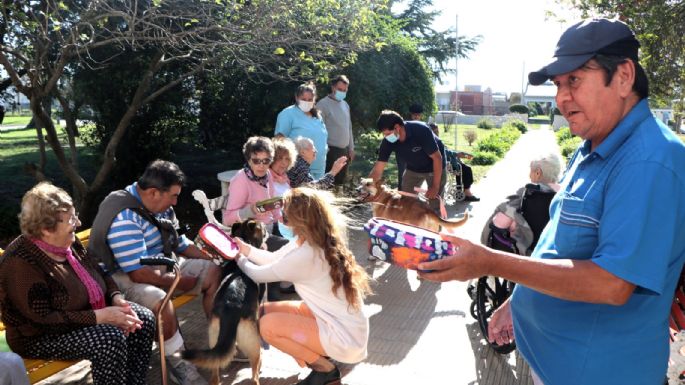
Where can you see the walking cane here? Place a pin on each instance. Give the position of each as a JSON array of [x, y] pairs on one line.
[[170, 265]]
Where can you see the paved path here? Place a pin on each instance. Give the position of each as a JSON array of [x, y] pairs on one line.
[[421, 332]]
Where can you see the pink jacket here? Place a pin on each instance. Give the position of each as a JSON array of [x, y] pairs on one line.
[[242, 192]]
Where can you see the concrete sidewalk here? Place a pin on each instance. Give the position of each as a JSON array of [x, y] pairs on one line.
[[421, 332]]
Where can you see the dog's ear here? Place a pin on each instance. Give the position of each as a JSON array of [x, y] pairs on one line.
[[235, 229]]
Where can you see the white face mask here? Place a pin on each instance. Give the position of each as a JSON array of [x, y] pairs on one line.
[[392, 138], [305, 106]]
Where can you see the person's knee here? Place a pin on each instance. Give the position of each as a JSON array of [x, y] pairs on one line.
[[211, 279], [110, 343], [267, 326]]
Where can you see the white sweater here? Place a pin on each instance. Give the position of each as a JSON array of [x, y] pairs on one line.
[[344, 332]]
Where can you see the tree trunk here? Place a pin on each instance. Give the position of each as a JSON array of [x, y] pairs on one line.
[[43, 119], [71, 128]]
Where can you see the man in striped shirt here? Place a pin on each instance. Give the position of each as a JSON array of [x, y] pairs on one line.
[[130, 226]]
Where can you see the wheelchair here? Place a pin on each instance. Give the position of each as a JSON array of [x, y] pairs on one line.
[[454, 187], [489, 293]]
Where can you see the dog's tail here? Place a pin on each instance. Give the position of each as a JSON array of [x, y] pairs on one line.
[[222, 353], [453, 223]]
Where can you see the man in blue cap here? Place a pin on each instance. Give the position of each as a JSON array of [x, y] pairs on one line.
[[592, 302]]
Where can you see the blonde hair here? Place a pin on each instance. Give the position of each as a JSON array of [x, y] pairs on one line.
[[40, 208], [284, 147], [311, 216]]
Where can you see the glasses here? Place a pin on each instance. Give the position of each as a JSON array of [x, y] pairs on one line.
[[264, 161], [73, 219]]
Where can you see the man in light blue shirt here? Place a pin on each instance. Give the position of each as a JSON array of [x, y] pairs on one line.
[[592, 303]]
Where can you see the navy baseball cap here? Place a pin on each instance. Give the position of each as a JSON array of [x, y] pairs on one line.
[[582, 41]]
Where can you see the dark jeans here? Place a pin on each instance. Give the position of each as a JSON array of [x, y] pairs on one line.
[[333, 154], [467, 176], [401, 166]]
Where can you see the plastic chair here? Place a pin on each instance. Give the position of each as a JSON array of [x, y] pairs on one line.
[[210, 206]]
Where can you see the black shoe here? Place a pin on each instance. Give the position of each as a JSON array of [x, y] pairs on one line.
[[471, 198], [322, 378]]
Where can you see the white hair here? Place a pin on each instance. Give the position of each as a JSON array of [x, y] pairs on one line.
[[549, 165], [302, 143]]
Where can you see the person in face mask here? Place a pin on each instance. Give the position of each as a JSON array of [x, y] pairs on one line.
[[336, 115], [414, 143], [303, 119]]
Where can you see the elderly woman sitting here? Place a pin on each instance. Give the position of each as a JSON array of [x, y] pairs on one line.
[[57, 304], [301, 175], [252, 184], [508, 218]]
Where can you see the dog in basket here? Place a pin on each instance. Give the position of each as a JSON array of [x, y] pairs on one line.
[[234, 319], [391, 204]]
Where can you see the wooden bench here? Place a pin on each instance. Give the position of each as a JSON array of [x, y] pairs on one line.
[[38, 370]]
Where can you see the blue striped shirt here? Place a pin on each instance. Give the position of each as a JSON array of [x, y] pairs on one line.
[[132, 237]]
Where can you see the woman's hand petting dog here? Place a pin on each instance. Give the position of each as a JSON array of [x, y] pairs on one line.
[[469, 261], [243, 247]]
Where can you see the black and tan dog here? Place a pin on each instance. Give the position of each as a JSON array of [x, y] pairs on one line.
[[234, 319], [389, 203]]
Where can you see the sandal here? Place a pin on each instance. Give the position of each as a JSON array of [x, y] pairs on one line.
[[322, 378]]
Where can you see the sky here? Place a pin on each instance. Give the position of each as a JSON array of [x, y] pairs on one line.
[[516, 39]]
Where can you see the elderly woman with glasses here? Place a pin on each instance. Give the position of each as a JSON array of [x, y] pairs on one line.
[[57, 304], [254, 183]]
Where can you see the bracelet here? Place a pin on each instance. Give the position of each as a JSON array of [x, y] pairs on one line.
[[117, 292]]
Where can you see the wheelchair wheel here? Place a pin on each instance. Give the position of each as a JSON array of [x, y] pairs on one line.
[[491, 292], [459, 195]]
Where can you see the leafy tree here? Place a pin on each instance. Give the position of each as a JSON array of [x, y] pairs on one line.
[[519, 108], [391, 78], [267, 39], [439, 47]]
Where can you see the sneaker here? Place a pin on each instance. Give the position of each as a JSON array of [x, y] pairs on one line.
[[471, 198], [183, 372]]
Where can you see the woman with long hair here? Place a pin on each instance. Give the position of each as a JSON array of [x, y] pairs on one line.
[[329, 321]]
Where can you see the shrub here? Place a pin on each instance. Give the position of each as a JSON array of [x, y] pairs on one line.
[[568, 143], [470, 136], [485, 124], [519, 125], [483, 159], [518, 108], [569, 146], [491, 145], [563, 134]]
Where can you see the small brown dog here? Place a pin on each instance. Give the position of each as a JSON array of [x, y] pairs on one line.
[[389, 203]]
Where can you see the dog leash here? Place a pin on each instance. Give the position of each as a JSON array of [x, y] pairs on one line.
[[420, 194]]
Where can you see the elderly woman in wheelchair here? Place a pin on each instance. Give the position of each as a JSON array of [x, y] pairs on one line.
[[515, 226]]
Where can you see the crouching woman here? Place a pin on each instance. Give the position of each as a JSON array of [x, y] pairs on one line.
[[328, 322]]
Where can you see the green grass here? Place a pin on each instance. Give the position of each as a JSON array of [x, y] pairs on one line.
[[16, 120]]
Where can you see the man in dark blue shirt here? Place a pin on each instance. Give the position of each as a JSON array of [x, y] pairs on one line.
[[414, 143]]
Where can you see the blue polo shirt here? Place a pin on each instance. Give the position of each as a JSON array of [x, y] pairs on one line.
[[621, 206], [292, 122], [418, 144]]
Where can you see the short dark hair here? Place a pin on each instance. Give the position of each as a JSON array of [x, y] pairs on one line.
[[162, 175], [388, 120], [257, 144], [610, 64], [416, 108], [340, 78]]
